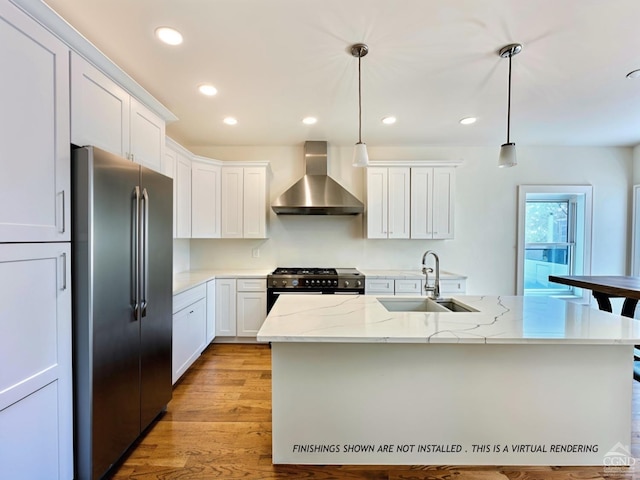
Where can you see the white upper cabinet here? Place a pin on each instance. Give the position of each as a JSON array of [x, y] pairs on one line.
[[147, 136], [388, 202], [255, 208], [205, 200], [105, 115], [182, 185], [432, 202], [232, 201], [34, 138], [244, 202]]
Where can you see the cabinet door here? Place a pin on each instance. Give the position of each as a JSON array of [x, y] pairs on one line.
[[421, 202], [377, 202], [99, 109], [189, 337], [169, 169], [34, 138], [398, 202], [35, 354], [232, 202], [211, 311], [443, 202], [252, 310], [226, 307], [379, 286], [146, 136], [205, 200], [255, 203], [408, 287], [182, 185]]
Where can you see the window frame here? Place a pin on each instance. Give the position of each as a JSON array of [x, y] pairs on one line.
[[551, 192]]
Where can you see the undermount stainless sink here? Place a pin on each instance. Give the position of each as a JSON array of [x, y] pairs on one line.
[[445, 305]]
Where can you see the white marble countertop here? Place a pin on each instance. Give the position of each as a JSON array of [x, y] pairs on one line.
[[505, 319], [186, 280], [408, 274]]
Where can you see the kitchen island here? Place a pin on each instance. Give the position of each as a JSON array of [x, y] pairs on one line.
[[517, 381]]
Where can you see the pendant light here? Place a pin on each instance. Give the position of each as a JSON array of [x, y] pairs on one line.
[[508, 150], [360, 155]]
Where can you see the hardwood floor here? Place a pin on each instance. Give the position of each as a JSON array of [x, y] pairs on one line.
[[218, 425]]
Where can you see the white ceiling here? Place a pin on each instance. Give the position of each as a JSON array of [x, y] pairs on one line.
[[431, 63]]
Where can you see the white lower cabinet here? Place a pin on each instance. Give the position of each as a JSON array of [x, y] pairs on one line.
[[36, 406], [241, 306], [225, 307], [413, 286], [211, 311], [251, 304], [189, 329]]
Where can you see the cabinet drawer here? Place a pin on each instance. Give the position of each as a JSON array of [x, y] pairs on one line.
[[379, 285], [251, 284], [408, 287], [453, 286], [186, 298]]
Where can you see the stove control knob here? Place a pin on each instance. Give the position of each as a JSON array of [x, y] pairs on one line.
[[284, 282], [358, 283], [346, 283], [335, 283], [275, 282], [324, 282], [294, 283], [311, 281]]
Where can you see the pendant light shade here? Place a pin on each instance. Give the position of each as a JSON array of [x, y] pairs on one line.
[[360, 155], [507, 155], [508, 150]]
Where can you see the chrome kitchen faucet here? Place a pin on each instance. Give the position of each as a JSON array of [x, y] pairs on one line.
[[432, 291]]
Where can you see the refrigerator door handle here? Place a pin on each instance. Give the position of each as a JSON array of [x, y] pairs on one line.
[[144, 271], [135, 271]]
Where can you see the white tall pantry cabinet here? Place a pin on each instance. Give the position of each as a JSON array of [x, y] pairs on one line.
[[36, 429]]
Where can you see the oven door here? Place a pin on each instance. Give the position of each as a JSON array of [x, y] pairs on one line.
[[274, 293]]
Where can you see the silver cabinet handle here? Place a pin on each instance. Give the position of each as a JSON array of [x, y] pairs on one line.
[[64, 271], [64, 220], [145, 254], [135, 272]]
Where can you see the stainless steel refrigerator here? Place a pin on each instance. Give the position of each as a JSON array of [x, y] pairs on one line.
[[122, 293]]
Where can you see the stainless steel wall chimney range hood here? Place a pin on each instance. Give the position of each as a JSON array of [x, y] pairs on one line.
[[316, 193]]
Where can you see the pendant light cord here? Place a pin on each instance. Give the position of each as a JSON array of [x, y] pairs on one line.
[[359, 100], [509, 102]]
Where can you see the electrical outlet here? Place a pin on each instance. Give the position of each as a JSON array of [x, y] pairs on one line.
[[255, 253]]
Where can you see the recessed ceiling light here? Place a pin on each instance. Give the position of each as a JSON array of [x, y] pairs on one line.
[[389, 120], [207, 89], [309, 120], [169, 35], [468, 120], [230, 121], [634, 74]]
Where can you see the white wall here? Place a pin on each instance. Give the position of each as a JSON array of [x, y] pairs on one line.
[[181, 255], [484, 247]]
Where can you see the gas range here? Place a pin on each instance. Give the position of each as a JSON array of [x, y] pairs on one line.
[[306, 278], [313, 281]]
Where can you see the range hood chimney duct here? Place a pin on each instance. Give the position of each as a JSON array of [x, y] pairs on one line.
[[316, 193]]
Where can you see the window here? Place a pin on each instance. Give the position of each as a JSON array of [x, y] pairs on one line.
[[554, 237]]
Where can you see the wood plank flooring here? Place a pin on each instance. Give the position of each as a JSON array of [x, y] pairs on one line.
[[218, 426]]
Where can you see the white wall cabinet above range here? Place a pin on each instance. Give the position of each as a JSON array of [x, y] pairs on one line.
[[107, 116], [244, 202], [34, 138], [432, 202], [388, 199]]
